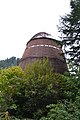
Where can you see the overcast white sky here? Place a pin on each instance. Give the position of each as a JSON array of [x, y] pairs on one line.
[[21, 19]]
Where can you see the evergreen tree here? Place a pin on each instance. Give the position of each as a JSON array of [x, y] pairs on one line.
[[70, 29], [13, 61]]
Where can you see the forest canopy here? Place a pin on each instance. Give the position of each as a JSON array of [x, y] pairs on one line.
[[39, 94], [13, 61]]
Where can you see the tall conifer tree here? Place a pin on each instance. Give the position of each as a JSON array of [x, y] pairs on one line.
[[70, 30]]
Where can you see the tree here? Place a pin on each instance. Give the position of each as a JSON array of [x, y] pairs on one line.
[[13, 61], [69, 107], [70, 29], [41, 87], [60, 111], [10, 83], [26, 94]]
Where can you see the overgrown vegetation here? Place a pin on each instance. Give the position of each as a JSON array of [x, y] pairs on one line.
[[39, 94]]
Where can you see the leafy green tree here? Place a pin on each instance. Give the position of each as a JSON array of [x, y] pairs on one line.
[[70, 29], [69, 107], [60, 111], [41, 87], [25, 94], [10, 82]]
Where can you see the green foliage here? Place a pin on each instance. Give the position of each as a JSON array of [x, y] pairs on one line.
[[69, 107], [70, 29], [41, 92], [40, 67], [64, 111], [10, 82], [13, 61], [41, 87], [25, 94], [60, 111]]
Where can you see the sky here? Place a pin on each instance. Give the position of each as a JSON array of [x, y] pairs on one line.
[[21, 19]]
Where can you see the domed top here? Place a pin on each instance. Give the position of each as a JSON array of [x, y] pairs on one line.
[[41, 35]]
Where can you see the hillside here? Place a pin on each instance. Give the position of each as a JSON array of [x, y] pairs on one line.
[[13, 61]]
